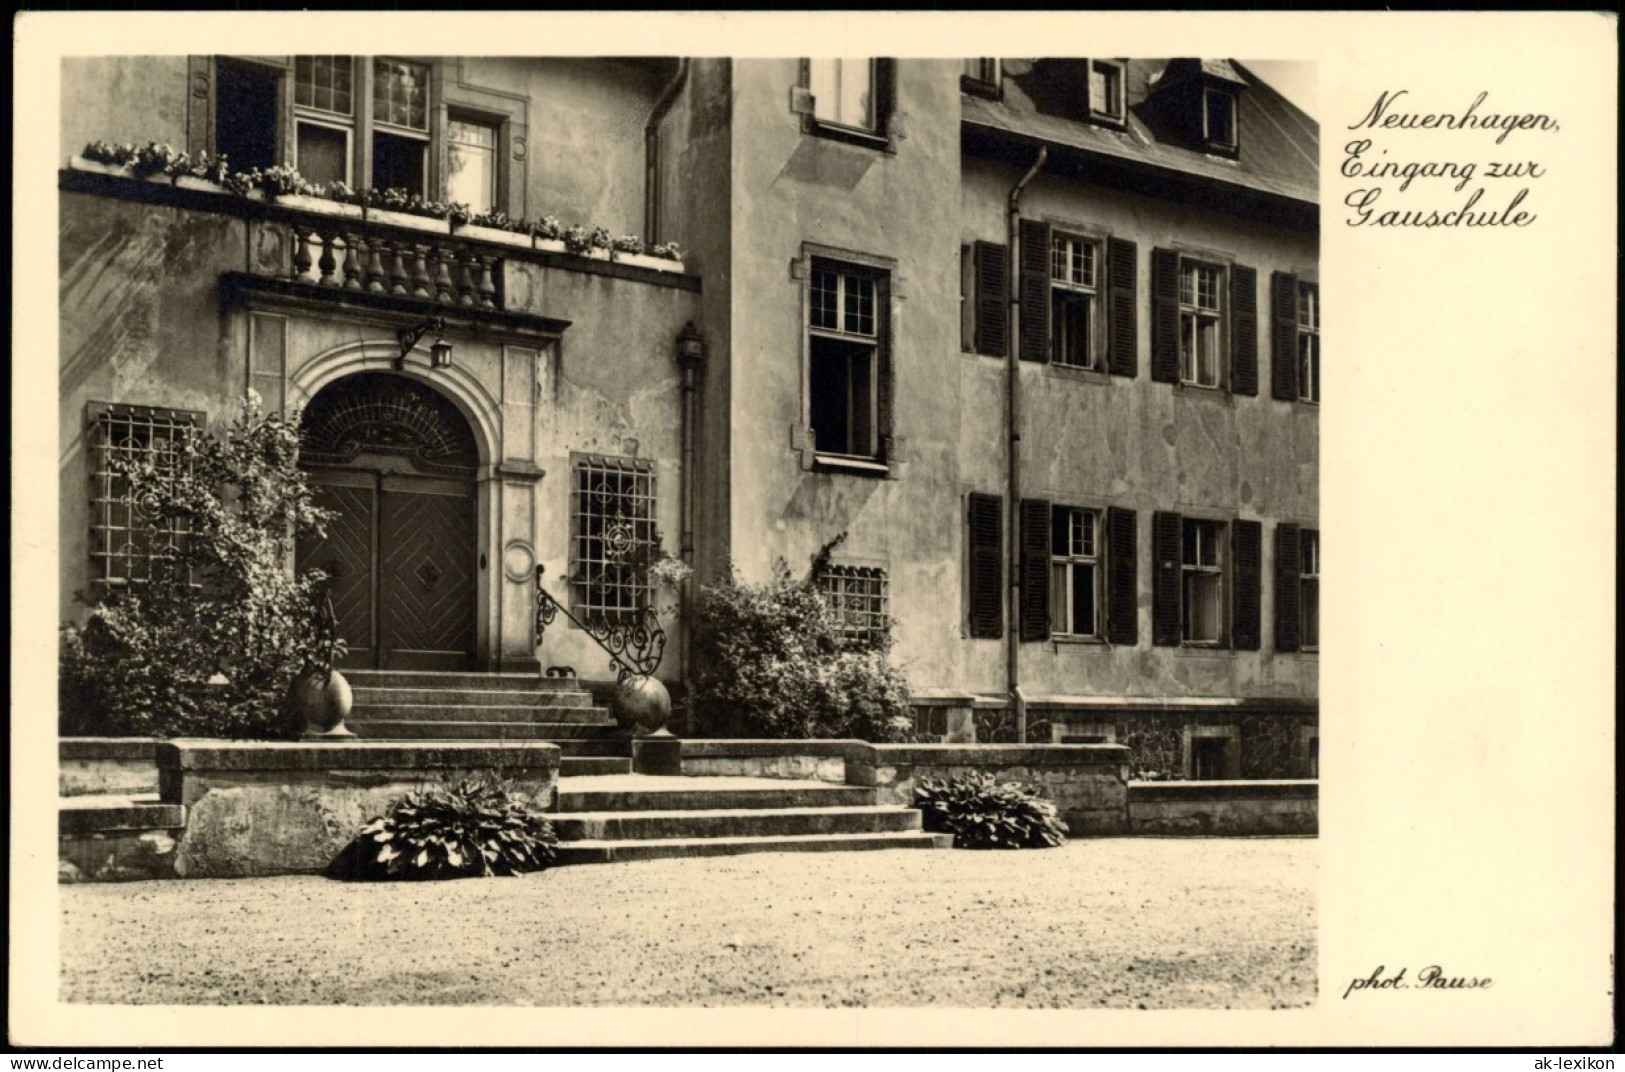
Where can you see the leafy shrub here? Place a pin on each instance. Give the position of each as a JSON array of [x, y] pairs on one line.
[[772, 661], [476, 828], [982, 813], [221, 602]]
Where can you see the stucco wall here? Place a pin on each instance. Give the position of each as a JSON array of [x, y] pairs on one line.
[[119, 99], [791, 188], [1094, 441]]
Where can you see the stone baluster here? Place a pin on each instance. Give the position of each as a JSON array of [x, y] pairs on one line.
[[445, 289], [301, 251], [398, 253], [488, 287], [468, 279], [328, 263], [420, 271], [377, 272], [354, 251]]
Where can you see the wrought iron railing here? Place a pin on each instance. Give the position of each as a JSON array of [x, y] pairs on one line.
[[635, 644]]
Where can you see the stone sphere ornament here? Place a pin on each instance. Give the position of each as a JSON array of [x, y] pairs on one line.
[[322, 700], [641, 704]]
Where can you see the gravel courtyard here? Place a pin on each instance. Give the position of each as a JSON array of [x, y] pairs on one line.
[[1121, 923]]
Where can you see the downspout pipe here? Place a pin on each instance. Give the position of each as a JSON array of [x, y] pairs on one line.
[[1012, 394], [651, 153], [690, 356]]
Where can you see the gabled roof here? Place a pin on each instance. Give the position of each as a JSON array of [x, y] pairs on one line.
[[1279, 145]]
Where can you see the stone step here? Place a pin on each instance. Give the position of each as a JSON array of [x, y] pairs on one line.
[[369, 695], [417, 730], [639, 793], [577, 766], [375, 712], [594, 852], [615, 747], [79, 816], [734, 823], [449, 679]]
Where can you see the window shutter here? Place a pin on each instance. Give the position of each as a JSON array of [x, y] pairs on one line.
[[1034, 291], [992, 298], [1284, 336], [1035, 554], [1165, 624], [1244, 337], [986, 546], [1165, 316], [1288, 566], [1124, 338], [1247, 552], [1122, 611]]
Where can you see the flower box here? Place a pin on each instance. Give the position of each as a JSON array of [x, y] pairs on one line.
[[322, 205], [493, 234], [406, 219], [644, 260], [192, 182], [79, 163], [550, 245]]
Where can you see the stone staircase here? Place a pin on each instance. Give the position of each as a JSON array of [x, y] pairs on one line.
[[409, 705], [639, 817]]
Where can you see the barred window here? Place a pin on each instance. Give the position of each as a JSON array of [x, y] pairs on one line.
[[126, 544], [858, 594], [613, 536]]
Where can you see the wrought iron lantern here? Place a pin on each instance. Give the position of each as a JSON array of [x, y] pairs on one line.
[[439, 352]]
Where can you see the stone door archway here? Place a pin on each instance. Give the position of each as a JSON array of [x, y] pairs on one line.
[[396, 461]]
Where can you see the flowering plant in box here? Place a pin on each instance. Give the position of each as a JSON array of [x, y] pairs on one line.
[[627, 244]]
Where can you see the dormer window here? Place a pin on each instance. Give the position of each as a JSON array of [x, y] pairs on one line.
[[1106, 91], [1219, 119]]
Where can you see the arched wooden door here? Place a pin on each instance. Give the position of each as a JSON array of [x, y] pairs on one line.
[[395, 461]]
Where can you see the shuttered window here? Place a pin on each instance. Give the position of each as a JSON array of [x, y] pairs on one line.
[[1284, 336], [1204, 323], [985, 548], [1288, 572], [992, 303], [1075, 572], [1035, 565], [1077, 299], [1202, 595]]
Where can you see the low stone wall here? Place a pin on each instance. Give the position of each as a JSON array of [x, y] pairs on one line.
[[1088, 783], [1224, 808], [276, 808], [823, 761], [107, 765]]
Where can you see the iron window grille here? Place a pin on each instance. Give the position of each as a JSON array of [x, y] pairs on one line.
[[613, 537], [1201, 323], [859, 597], [1308, 342], [1075, 573], [128, 546], [1074, 317]]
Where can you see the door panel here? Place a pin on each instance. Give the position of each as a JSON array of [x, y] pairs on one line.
[[345, 554], [426, 575], [401, 554]]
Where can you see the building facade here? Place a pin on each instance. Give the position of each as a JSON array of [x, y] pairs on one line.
[[1037, 340]]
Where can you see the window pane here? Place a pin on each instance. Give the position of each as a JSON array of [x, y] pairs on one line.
[[841, 384], [400, 94], [1202, 616], [324, 83], [1060, 591], [1083, 599], [825, 300], [821, 83], [323, 153], [1105, 82], [471, 165], [1070, 314], [1207, 352], [1220, 118], [399, 162], [857, 93]]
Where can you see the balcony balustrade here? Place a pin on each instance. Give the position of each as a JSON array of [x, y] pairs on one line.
[[362, 256]]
